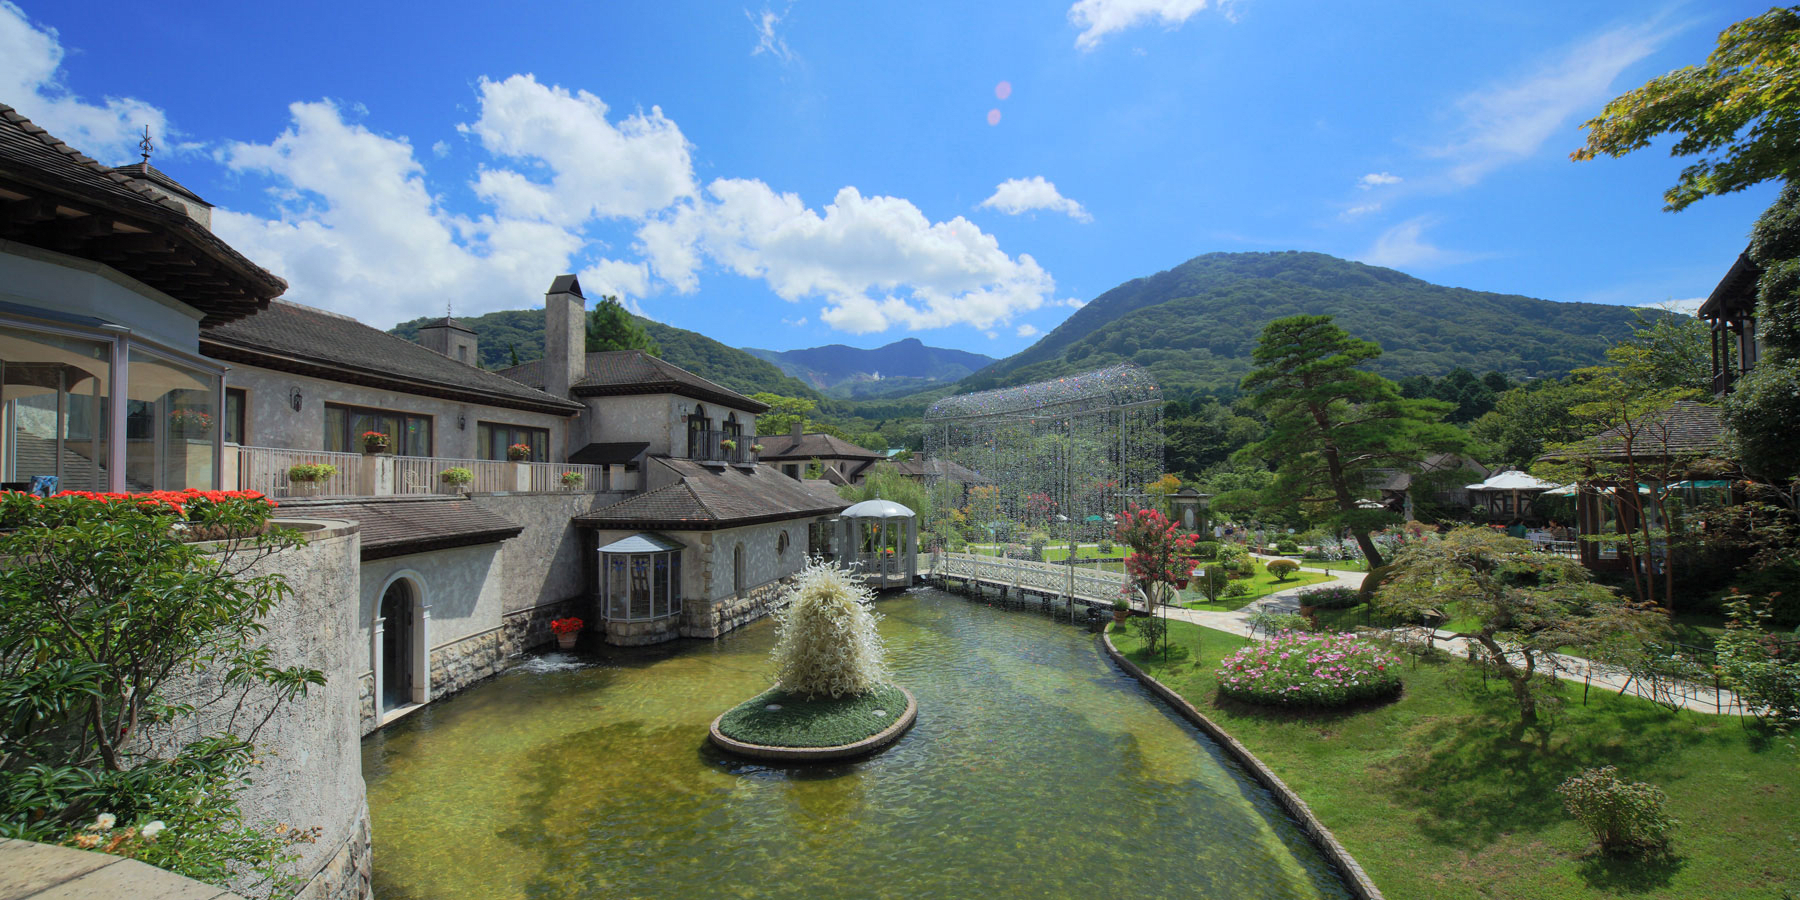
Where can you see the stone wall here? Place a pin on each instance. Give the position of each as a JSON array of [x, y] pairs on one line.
[[709, 620], [527, 629], [463, 663], [346, 875]]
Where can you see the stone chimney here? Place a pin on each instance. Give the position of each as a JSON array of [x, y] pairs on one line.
[[452, 339], [565, 335], [798, 430]]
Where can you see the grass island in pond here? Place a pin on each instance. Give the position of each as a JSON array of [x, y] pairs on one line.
[[780, 719]]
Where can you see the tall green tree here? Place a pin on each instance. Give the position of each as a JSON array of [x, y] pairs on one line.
[[1740, 112], [1331, 423], [1764, 410], [610, 326], [782, 414]]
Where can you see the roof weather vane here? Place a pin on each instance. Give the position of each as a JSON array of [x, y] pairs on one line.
[[145, 147]]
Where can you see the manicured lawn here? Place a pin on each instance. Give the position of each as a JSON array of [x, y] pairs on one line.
[[819, 722], [1435, 800], [1262, 584], [1337, 565]]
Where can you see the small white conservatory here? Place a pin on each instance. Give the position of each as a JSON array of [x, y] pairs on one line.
[[640, 578], [880, 540]]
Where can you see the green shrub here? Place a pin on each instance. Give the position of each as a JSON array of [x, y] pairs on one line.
[[1336, 596], [309, 472], [1265, 622], [1106, 546], [1151, 630], [1754, 665], [1211, 582], [1624, 816], [456, 475], [1287, 548], [1282, 568], [1236, 589], [1038, 541], [1206, 550]]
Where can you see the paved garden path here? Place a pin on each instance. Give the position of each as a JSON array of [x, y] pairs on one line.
[[1700, 698]]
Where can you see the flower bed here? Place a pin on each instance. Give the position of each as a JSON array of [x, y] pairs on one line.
[[1317, 670]]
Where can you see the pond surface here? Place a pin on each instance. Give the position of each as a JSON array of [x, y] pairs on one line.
[[1036, 769]]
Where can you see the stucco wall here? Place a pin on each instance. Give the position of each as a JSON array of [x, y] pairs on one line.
[[269, 420], [657, 418], [311, 775], [66, 284], [543, 564], [460, 589]]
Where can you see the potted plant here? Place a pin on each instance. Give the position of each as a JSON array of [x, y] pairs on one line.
[[728, 445], [456, 478], [755, 448], [572, 480], [374, 442], [1121, 610], [567, 630], [519, 452], [189, 423], [303, 479]]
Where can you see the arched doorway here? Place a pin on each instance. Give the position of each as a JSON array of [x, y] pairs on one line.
[[397, 645]]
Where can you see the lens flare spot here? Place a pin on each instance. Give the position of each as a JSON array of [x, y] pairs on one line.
[[993, 117], [1003, 90]]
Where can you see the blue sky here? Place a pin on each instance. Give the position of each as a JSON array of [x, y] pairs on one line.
[[803, 173]]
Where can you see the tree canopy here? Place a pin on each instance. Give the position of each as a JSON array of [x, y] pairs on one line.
[[1740, 112], [610, 326], [1331, 424], [1764, 410]]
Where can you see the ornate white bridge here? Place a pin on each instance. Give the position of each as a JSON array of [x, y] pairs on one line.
[[1025, 577]]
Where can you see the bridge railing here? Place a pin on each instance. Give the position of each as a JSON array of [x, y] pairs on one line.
[[1051, 578]]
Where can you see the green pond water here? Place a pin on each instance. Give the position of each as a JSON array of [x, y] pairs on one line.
[[1036, 769]]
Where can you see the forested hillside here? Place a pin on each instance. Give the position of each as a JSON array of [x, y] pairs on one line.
[[1195, 325], [501, 334]]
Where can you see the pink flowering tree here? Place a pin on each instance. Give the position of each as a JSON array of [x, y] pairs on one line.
[[1161, 558]]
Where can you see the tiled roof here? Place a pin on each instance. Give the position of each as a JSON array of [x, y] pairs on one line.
[[144, 171], [611, 453], [813, 446], [77, 206], [395, 526], [1686, 429], [618, 372], [708, 497], [292, 338], [939, 468]]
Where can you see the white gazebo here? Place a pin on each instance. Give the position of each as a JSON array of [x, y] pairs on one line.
[[1509, 494], [881, 539]]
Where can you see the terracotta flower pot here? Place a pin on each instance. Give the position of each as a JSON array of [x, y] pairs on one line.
[[567, 641], [1120, 615]]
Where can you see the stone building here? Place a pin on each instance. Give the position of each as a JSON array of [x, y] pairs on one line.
[[840, 462]]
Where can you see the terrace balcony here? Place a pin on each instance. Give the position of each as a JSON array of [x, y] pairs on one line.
[[270, 470], [710, 447]]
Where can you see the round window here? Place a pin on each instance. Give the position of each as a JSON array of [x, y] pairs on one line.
[[781, 544]]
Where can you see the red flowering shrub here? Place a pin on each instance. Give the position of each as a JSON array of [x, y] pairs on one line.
[[1160, 552], [569, 625]]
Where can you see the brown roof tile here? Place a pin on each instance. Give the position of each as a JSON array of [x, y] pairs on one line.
[[813, 446], [293, 338], [718, 497], [1685, 429], [395, 526]]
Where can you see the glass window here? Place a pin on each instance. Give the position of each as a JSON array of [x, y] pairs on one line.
[[409, 434], [171, 424], [55, 391], [236, 400], [495, 437]]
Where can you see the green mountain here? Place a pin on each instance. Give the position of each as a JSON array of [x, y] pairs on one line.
[[499, 334], [1194, 326], [902, 367]]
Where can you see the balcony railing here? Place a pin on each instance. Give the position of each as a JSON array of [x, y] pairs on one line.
[[710, 446], [267, 469]]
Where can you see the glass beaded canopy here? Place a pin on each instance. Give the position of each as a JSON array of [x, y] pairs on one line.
[[1081, 447]]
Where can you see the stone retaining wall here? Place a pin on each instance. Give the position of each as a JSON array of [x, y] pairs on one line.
[[465, 662], [528, 629], [1353, 875], [345, 876], [713, 619]]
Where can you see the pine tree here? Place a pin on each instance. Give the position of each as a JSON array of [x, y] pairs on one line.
[[1331, 423], [610, 326], [513, 349]]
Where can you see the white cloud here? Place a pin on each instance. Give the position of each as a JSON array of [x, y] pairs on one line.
[[1027, 330], [767, 40], [1377, 179], [1510, 121], [1020, 195], [108, 131], [358, 230], [1361, 210], [616, 278], [1405, 245], [599, 169], [1099, 18], [440, 149], [1690, 306], [875, 261], [1074, 303]]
